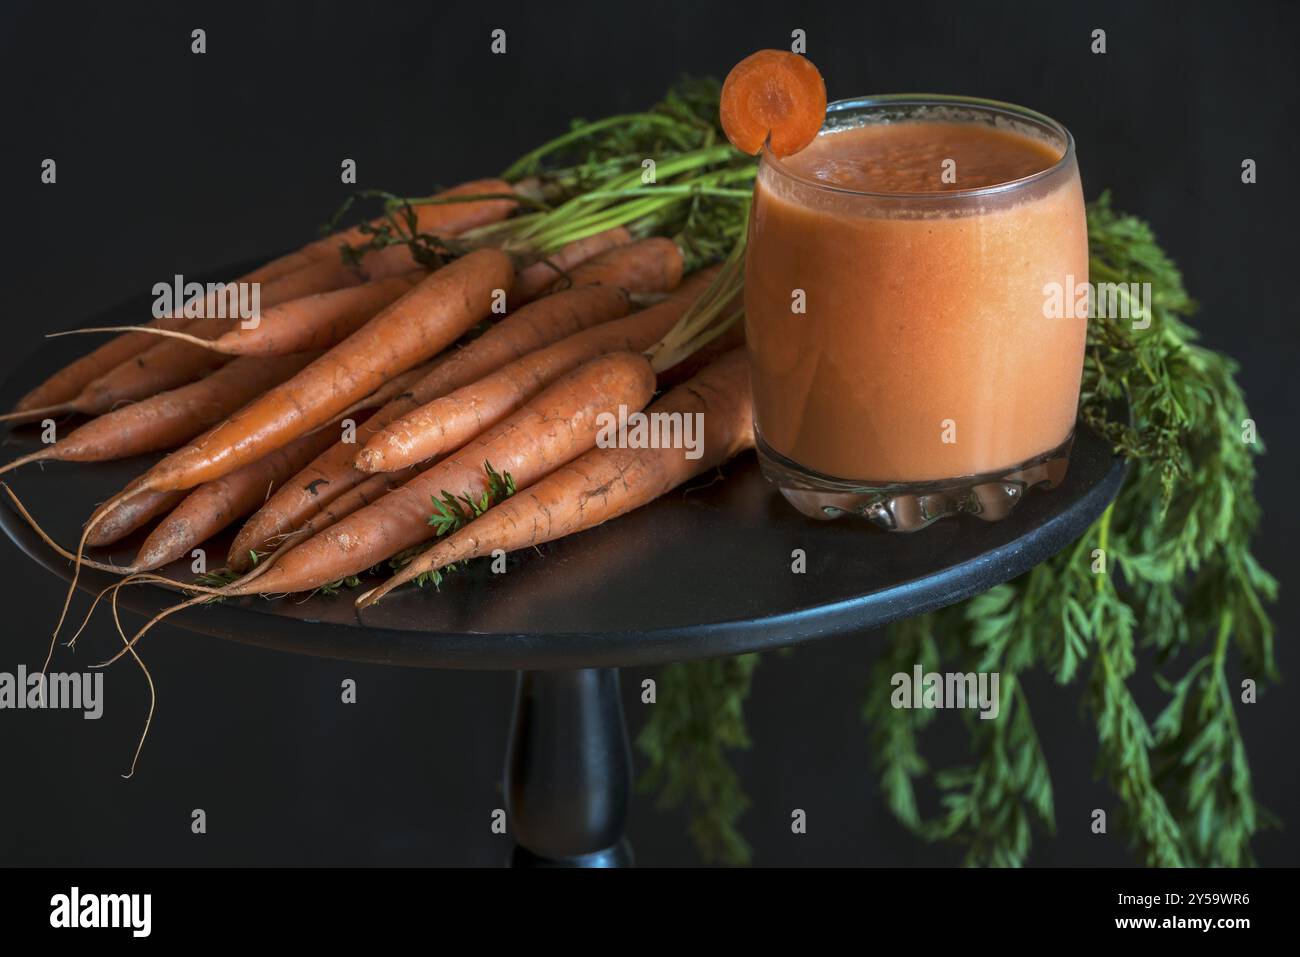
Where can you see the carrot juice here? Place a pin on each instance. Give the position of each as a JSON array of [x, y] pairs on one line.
[[895, 283]]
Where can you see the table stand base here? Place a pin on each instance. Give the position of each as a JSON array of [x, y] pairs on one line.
[[568, 772], [620, 855]]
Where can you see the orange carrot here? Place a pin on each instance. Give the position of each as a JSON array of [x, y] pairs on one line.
[[390, 390], [541, 275], [321, 275], [444, 220], [538, 324], [532, 327], [605, 483], [439, 220], [166, 420], [131, 509], [279, 267], [133, 514], [313, 269], [558, 425], [419, 325], [212, 506], [313, 488], [166, 365], [649, 266], [72, 381], [776, 94], [448, 422], [136, 507], [68, 382], [319, 266], [371, 490], [313, 322]]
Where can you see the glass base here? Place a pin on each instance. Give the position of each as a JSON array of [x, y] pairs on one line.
[[911, 506]]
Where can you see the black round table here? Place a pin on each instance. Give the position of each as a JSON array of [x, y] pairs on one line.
[[707, 571]]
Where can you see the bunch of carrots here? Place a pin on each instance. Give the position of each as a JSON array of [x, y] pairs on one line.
[[427, 387]]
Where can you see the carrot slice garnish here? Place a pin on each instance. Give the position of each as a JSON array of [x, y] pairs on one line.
[[773, 93]]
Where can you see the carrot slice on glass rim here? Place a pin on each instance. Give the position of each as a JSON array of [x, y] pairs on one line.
[[773, 93]]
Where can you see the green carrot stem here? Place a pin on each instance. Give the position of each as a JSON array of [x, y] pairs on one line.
[[529, 161], [711, 315], [687, 189], [398, 203], [669, 167]]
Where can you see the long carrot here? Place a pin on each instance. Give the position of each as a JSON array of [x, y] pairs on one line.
[[444, 220], [447, 422], [314, 487], [419, 325], [315, 268], [543, 274], [71, 382], [313, 322], [320, 261], [166, 365], [241, 559], [166, 420], [212, 506], [371, 490], [558, 425], [649, 266], [134, 513], [280, 267], [605, 482], [545, 321], [131, 509], [532, 327], [136, 508], [397, 385], [440, 220], [68, 382]]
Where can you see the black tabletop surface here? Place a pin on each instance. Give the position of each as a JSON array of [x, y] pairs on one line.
[[705, 571]]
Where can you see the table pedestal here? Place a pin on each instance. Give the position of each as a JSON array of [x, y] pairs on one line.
[[568, 770]]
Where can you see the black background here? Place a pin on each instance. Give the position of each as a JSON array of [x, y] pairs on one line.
[[171, 162]]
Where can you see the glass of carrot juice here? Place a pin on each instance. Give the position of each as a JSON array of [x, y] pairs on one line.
[[905, 364]]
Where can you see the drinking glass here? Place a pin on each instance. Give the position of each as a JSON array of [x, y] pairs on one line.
[[907, 364]]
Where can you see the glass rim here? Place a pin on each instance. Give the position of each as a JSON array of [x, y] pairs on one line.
[[933, 99]]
